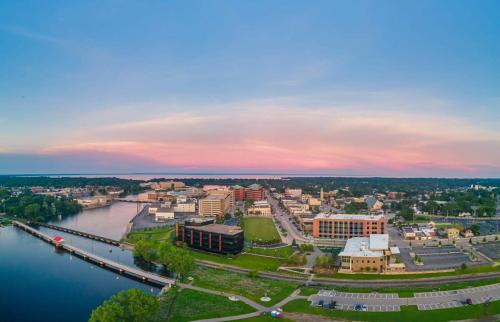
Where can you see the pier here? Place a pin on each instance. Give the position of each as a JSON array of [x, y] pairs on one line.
[[80, 233], [136, 273]]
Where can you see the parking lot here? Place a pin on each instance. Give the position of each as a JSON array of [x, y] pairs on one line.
[[379, 302], [435, 258], [492, 250]]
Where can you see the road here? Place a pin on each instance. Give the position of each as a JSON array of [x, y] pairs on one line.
[[284, 219]]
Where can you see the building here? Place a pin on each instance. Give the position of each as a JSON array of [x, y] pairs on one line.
[[342, 226], [254, 192], [203, 234], [260, 208], [239, 193], [313, 202], [164, 213], [295, 193], [217, 204], [453, 233], [374, 204], [187, 207], [370, 254]]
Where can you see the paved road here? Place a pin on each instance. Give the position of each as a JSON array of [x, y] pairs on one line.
[[377, 302], [284, 219]]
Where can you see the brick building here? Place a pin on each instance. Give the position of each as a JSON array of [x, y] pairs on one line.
[[343, 226]]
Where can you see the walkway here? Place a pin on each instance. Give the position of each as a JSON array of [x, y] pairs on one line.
[[101, 261]]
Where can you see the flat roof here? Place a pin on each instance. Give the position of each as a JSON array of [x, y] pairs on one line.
[[379, 241], [359, 247], [349, 216], [219, 229]]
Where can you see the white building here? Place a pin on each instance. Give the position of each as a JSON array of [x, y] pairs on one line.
[[163, 214]]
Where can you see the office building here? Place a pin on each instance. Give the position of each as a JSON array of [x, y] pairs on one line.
[[203, 234], [343, 226]]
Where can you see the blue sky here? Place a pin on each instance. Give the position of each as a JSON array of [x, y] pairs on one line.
[[93, 86]]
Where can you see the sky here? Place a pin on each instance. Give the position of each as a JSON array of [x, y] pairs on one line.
[[362, 88]]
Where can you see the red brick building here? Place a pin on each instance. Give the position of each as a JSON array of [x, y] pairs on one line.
[[239, 193], [254, 192], [347, 226]]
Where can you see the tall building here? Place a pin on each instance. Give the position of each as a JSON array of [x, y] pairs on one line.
[[254, 192], [343, 227], [239, 193], [217, 204]]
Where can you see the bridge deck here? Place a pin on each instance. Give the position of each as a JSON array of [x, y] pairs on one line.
[[145, 276], [81, 233]]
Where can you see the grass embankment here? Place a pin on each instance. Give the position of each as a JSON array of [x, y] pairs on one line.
[[153, 234], [260, 230], [251, 287], [189, 305], [283, 252], [407, 314], [403, 291], [470, 270], [249, 261]]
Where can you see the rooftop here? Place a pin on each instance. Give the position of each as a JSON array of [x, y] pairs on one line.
[[220, 229], [349, 216], [254, 186], [379, 241], [359, 247]]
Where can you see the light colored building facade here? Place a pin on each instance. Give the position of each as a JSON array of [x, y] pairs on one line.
[[344, 226], [163, 214], [296, 193], [216, 205], [370, 254], [260, 208], [185, 207]]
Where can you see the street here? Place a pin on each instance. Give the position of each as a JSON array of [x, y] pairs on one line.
[[284, 219]]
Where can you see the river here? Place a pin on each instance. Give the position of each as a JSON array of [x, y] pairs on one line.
[[38, 283]]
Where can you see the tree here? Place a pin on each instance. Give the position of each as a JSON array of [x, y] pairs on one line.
[[132, 305], [476, 229]]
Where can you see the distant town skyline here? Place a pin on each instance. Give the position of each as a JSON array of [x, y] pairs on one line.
[[360, 88]]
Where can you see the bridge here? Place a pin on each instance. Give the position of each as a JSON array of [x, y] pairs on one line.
[[80, 233], [132, 200], [136, 273]]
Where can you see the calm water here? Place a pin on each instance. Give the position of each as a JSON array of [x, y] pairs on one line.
[[108, 221], [38, 283]]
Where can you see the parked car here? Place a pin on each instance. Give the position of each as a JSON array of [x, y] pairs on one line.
[[320, 303], [332, 304], [364, 307], [468, 301], [357, 307]]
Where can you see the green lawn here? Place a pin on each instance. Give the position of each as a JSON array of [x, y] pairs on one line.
[[470, 270], [265, 318], [155, 234], [189, 305], [251, 287], [260, 229], [407, 314], [248, 261], [283, 252], [403, 291]]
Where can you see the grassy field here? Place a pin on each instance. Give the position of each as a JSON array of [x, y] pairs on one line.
[[260, 229], [251, 287], [283, 252], [156, 234], [189, 305], [264, 318], [249, 261], [407, 314], [403, 291]]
